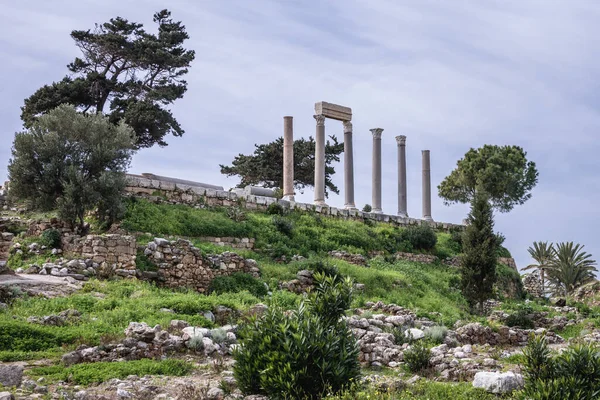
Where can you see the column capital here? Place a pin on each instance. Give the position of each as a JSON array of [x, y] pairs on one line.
[[320, 119], [401, 139], [347, 126], [424, 151], [376, 132]]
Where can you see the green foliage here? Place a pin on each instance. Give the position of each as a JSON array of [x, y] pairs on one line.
[[127, 73], [521, 319], [508, 282], [143, 263], [478, 269], [236, 214], [98, 372], [302, 353], [436, 334], [417, 357], [543, 254], [367, 208], [51, 238], [179, 220], [107, 307], [218, 336], [502, 172], [238, 282], [422, 390], [73, 162], [275, 209], [570, 268], [265, 166], [421, 237], [573, 374], [401, 334], [283, 225]]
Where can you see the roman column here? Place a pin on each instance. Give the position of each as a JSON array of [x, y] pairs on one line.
[[376, 196], [288, 158], [320, 161], [426, 186], [348, 166], [402, 208]]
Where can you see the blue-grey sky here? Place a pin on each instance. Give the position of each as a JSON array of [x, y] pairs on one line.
[[448, 75]]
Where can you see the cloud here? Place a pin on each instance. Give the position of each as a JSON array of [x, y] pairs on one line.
[[449, 75]]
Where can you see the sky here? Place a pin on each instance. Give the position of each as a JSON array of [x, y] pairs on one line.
[[449, 75]]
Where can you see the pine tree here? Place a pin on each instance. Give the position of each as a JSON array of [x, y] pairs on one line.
[[478, 267]]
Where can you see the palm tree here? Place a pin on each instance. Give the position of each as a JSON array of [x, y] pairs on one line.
[[542, 253], [571, 268]]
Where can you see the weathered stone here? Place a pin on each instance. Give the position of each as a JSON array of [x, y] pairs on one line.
[[11, 375], [498, 383]]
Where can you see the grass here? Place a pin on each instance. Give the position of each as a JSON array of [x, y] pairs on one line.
[[423, 390], [107, 307], [86, 374], [572, 331], [305, 233]]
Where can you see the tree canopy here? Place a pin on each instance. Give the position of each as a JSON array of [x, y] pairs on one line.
[[126, 73], [73, 162], [502, 172], [265, 166]]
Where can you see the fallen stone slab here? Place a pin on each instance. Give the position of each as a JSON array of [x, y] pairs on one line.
[[11, 375], [497, 382]]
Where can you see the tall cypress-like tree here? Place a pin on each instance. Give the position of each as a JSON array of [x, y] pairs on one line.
[[478, 269]]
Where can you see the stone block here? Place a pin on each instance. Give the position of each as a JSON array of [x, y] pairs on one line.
[[333, 111]]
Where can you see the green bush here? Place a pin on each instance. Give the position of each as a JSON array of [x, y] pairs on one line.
[[574, 374], [51, 238], [520, 319], [417, 357], [420, 237], [143, 263], [367, 208], [98, 372], [22, 336], [283, 225], [401, 335], [238, 282], [275, 209], [300, 354]]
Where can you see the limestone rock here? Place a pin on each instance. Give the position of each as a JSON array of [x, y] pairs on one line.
[[497, 382], [11, 375], [6, 396]]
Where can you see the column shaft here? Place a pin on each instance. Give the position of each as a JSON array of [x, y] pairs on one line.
[[376, 195], [426, 185], [320, 161], [402, 206], [288, 158], [348, 166]]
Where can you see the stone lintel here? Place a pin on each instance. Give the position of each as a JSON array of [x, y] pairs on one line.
[[333, 111]]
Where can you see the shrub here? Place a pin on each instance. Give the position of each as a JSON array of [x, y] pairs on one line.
[[420, 237], [218, 335], [143, 263], [275, 209], [520, 319], [574, 374], [401, 335], [236, 214], [9, 293], [301, 353], [51, 238], [238, 282], [436, 334], [417, 357], [195, 343], [283, 225], [367, 208]]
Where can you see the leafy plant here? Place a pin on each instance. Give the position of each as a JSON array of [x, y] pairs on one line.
[[237, 282], [421, 237], [570, 268], [236, 214], [283, 225], [301, 353], [51, 238], [417, 357], [543, 254], [275, 209], [218, 336], [367, 208], [436, 333]]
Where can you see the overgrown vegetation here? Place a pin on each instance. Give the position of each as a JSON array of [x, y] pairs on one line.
[[98, 372], [304, 353], [238, 282]]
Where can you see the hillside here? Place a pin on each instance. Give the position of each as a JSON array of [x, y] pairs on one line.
[[254, 258]]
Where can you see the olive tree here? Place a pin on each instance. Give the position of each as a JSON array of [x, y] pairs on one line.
[[72, 162]]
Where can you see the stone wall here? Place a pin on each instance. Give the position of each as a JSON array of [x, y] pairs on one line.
[[5, 243], [233, 242], [183, 265], [36, 227], [532, 284], [118, 251], [177, 193], [414, 257], [356, 259]]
